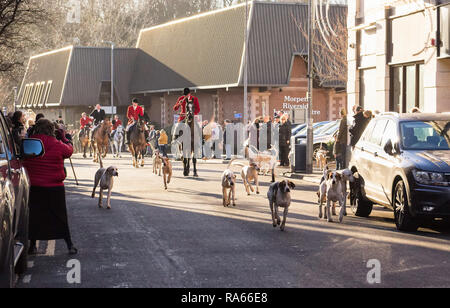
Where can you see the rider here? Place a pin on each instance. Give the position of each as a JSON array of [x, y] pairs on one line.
[[181, 102], [116, 123], [133, 114], [85, 121], [98, 115]]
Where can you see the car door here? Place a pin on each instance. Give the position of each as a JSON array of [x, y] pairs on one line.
[[16, 170], [5, 197], [371, 151], [360, 157]]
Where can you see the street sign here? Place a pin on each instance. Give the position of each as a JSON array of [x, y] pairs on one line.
[[238, 115], [108, 109]]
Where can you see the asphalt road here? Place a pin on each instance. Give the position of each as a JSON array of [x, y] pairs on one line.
[[185, 238]]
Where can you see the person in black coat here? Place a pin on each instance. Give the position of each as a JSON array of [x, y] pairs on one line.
[[285, 140], [98, 115], [358, 127]]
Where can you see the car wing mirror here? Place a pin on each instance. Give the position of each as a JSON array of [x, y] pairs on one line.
[[32, 148], [388, 147]]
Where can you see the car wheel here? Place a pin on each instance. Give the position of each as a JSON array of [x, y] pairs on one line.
[[403, 219], [7, 276], [22, 263]]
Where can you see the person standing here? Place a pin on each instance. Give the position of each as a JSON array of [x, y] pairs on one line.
[[285, 140], [358, 127], [341, 142], [18, 121], [163, 141], [134, 112], [228, 127], [48, 213]]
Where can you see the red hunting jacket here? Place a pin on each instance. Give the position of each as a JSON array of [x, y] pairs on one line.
[[181, 102], [84, 122], [48, 170], [118, 122], [133, 115]]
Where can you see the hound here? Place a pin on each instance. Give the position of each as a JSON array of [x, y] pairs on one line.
[[157, 163], [167, 171], [279, 195], [321, 158], [105, 179], [228, 186], [250, 173]]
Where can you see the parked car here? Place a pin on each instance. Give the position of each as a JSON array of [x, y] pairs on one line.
[[316, 127], [403, 163], [323, 136], [14, 191]]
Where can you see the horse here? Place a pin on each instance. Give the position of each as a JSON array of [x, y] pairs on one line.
[[116, 145], [191, 123], [85, 141], [138, 144], [100, 139]]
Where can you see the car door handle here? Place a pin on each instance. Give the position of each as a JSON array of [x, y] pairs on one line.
[[362, 149], [375, 154]]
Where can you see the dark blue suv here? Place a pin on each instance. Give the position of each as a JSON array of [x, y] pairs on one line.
[[403, 162], [14, 189]]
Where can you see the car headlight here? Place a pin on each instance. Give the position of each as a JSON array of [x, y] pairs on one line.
[[430, 178]]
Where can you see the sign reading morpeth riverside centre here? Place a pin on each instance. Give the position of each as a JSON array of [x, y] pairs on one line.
[[294, 103]]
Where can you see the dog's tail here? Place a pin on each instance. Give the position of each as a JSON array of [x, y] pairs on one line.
[[231, 163], [238, 164]]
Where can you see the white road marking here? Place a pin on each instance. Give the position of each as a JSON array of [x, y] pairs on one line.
[[27, 279], [30, 264], [50, 249]]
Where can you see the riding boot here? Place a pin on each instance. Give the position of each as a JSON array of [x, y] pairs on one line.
[[194, 162], [185, 165], [128, 137]]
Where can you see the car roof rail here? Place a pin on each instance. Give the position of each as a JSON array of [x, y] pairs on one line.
[[395, 114]]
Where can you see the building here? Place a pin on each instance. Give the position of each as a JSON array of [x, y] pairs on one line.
[[204, 52], [399, 55]]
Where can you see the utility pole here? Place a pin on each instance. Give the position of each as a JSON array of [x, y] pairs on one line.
[[112, 77], [246, 113], [309, 119]]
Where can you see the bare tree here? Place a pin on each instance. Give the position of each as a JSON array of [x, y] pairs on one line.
[[329, 44]]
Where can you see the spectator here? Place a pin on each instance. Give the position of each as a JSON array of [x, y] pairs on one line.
[[48, 212], [228, 146], [151, 140], [18, 122], [163, 141], [341, 142], [285, 140], [31, 128], [358, 127]]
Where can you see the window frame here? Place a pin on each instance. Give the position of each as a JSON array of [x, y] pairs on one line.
[[418, 68]]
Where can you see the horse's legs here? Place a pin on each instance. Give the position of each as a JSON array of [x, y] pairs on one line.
[[142, 158], [194, 162]]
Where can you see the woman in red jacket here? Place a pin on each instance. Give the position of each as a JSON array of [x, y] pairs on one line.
[[48, 212]]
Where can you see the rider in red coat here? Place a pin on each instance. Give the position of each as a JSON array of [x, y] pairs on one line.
[[133, 114], [85, 120], [181, 102]]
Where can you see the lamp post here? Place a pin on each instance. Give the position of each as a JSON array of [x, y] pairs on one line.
[[309, 119], [112, 77], [246, 111]]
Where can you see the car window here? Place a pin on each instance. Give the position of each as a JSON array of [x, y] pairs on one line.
[[368, 131], [8, 142], [378, 131], [2, 148], [390, 133], [425, 135]]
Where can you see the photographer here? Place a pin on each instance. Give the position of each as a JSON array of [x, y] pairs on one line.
[[48, 212]]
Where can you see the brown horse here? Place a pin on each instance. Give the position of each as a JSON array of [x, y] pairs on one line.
[[138, 143], [85, 141], [100, 139]]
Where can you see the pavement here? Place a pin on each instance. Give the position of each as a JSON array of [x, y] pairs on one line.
[[185, 238]]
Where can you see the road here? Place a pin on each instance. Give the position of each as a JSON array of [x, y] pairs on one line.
[[185, 238]]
